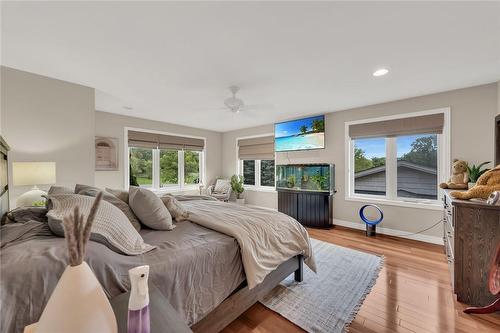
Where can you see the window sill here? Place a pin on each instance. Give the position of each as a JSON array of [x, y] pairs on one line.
[[400, 203], [175, 189], [259, 188]]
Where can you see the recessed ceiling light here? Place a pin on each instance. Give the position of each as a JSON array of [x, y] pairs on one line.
[[381, 72], [126, 107]]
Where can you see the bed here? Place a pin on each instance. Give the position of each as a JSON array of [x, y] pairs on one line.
[[198, 269]]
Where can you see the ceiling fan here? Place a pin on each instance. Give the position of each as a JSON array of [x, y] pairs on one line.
[[235, 104]]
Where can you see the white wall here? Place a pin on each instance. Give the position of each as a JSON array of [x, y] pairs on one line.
[[112, 125], [498, 97], [472, 138], [44, 119]]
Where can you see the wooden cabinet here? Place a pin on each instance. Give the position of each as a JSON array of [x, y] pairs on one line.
[[312, 209], [471, 234]]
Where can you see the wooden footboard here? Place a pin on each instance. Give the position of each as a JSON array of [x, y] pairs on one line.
[[233, 306]]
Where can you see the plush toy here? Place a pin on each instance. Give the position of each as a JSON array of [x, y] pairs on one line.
[[485, 185], [459, 178]]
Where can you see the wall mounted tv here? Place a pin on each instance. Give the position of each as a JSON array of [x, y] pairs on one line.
[[300, 134]]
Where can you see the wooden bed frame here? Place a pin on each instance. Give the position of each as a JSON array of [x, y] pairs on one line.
[[243, 298]]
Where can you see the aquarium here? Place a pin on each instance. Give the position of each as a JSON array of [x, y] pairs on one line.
[[300, 134], [306, 177]]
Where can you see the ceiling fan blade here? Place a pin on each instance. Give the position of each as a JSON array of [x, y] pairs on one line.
[[221, 108]]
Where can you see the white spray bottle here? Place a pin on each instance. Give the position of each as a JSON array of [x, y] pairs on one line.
[[138, 304]]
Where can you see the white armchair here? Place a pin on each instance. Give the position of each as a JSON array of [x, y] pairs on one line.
[[221, 190]]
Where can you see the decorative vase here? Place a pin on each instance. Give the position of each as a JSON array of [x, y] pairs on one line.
[[138, 305], [78, 304], [240, 201]]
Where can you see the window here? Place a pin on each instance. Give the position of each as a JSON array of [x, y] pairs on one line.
[[165, 168], [191, 167], [369, 166], [267, 173], [417, 166], [399, 167], [258, 173], [169, 167], [141, 167], [249, 172]]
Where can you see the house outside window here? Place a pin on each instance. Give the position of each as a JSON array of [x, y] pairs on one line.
[[395, 163]]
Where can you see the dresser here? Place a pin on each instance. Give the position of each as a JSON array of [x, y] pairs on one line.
[[471, 234]]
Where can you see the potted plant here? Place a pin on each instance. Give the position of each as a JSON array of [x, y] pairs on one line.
[[237, 186], [475, 171]]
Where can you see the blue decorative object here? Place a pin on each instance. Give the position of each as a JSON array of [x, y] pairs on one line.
[[370, 224]]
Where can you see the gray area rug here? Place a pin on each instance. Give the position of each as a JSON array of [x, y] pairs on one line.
[[327, 301]]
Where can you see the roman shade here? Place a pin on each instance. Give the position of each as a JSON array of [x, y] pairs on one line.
[[163, 141], [428, 124], [261, 148]]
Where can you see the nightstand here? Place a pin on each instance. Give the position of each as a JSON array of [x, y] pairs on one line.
[[163, 317]]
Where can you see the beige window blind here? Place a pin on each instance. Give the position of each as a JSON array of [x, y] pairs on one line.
[[428, 124], [162, 141], [261, 148]]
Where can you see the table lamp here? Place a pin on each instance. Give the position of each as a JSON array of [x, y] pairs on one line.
[[32, 173]]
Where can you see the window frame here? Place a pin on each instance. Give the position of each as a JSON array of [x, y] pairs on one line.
[[180, 186], [239, 167], [257, 186], [391, 197]]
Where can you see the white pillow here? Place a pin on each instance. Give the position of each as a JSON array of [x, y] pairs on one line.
[[111, 227], [149, 209], [222, 186]]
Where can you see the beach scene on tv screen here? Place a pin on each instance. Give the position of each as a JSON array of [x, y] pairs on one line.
[[301, 134]]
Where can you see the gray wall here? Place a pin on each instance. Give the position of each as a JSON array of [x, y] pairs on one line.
[[44, 119], [112, 125], [472, 113]]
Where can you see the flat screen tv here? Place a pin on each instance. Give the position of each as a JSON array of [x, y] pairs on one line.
[[300, 134]]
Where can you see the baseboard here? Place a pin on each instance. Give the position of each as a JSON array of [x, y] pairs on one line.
[[392, 232], [386, 231]]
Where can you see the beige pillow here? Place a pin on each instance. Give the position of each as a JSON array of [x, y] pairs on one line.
[[111, 227], [222, 186], [120, 194], [149, 209], [175, 208]]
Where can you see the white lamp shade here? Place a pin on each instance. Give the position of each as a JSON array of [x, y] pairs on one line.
[[33, 173]]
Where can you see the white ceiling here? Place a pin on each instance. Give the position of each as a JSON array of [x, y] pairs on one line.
[[173, 62]]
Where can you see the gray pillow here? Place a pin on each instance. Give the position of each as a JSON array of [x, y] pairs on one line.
[[175, 208], [111, 227], [124, 207], [120, 194], [149, 209], [55, 189]]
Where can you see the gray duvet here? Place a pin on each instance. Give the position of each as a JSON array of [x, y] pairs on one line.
[[194, 267]]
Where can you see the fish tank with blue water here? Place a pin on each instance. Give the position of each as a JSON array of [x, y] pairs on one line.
[[306, 177]]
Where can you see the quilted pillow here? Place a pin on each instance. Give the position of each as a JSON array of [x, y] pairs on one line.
[[175, 208], [111, 227], [149, 209], [222, 186], [112, 199]]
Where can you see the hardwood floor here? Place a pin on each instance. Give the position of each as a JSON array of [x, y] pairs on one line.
[[412, 294]]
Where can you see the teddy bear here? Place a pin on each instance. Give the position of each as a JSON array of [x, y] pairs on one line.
[[459, 178], [485, 185]]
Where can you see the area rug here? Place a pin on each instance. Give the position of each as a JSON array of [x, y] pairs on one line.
[[329, 300]]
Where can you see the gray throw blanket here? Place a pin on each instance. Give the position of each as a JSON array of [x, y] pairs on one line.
[[267, 238]]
